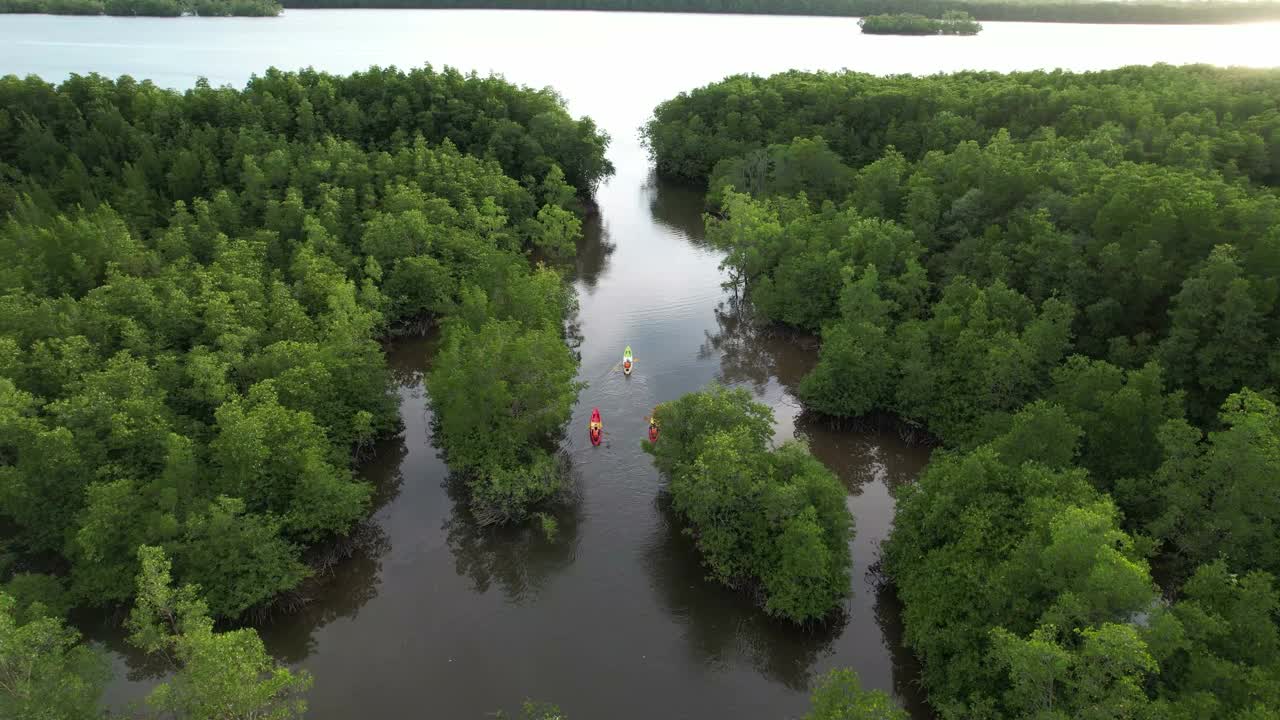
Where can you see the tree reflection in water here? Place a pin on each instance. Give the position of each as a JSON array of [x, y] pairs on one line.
[[594, 250], [872, 462], [906, 668], [724, 627], [518, 558], [678, 208], [352, 583], [756, 353], [861, 456], [348, 570], [108, 633], [346, 575], [405, 360]]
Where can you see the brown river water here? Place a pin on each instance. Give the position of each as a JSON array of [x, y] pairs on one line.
[[435, 617]]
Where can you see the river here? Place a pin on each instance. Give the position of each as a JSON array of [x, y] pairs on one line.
[[433, 617]]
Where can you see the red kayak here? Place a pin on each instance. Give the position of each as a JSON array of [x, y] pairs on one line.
[[653, 433], [597, 427]]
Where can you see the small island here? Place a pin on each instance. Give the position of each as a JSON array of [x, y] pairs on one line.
[[150, 8], [953, 22]]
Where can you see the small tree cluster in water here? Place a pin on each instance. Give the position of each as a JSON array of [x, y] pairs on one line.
[[768, 521], [192, 290], [502, 392], [47, 674], [953, 22], [1071, 280]]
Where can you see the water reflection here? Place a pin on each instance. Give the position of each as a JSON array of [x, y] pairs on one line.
[[906, 668], [354, 581], [677, 207], [407, 360], [871, 463], [346, 576], [863, 457], [108, 633], [385, 470], [348, 571], [594, 250], [722, 627], [756, 353], [518, 558]]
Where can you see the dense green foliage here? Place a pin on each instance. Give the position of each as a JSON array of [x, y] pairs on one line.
[[770, 521], [839, 695], [45, 674], [92, 140], [979, 348], [1123, 244], [503, 393], [983, 542], [192, 290], [953, 22], [1071, 280], [1048, 608], [194, 281], [900, 24], [216, 674], [37, 594], [1013, 10], [153, 8], [1193, 117]]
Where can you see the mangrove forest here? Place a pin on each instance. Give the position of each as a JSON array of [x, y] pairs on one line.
[[1072, 282], [194, 289]]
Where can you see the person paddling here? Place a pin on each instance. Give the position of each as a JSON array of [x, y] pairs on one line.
[[596, 429]]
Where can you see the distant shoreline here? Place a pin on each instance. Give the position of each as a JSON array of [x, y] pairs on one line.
[[1094, 13], [143, 8]]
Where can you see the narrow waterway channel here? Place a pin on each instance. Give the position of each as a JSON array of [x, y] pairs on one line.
[[467, 620], [435, 617]]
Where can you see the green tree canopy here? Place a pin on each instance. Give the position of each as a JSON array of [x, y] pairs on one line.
[[216, 674], [45, 674], [840, 696], [501, 393], [768, 519], [195, 284]]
